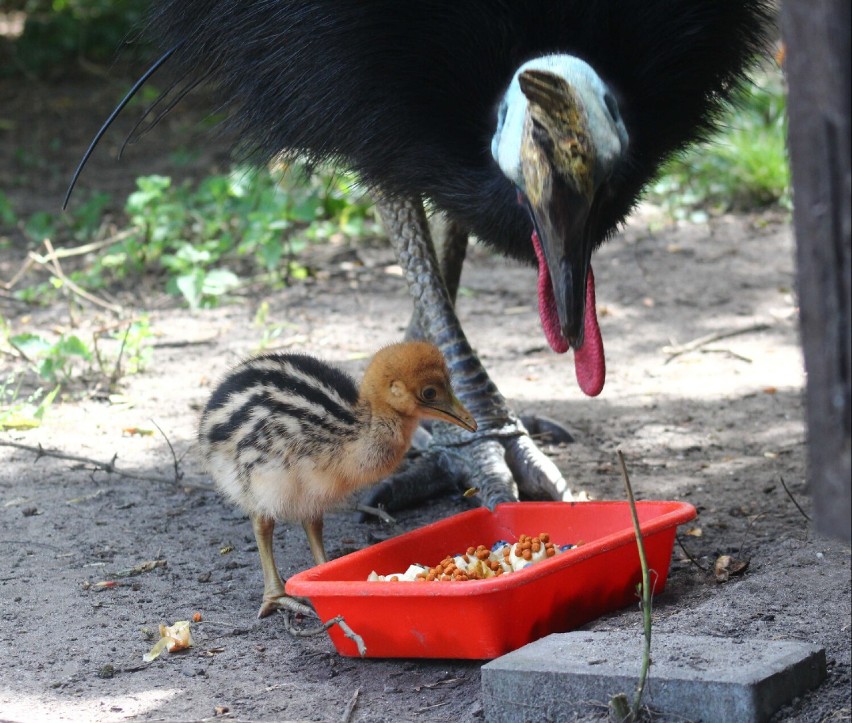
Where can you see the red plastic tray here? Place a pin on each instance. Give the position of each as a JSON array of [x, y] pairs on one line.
[[487, 618]]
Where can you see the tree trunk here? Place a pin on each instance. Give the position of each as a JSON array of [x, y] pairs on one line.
[[817, 37]]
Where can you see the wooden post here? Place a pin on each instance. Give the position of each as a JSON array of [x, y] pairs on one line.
[[817, 38]]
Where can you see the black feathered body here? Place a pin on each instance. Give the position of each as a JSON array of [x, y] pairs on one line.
[[405, 92]]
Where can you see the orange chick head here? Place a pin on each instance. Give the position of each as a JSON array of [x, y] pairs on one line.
[[411, 378]]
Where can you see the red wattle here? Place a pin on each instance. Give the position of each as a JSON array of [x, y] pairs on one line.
[[547, 303], [589, 360]]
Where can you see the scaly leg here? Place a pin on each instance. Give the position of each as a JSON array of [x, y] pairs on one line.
[[274, 596], [500, 456], [451, 256]]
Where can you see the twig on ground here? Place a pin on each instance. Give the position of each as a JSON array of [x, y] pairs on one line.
[[70, 285], [116, 370], [350, 707], [178, 471], [26, 543], [729, 352], [108, 467], [376, 512], [308, 632], [426, 709], [677, 350], [747, 532], [180, 344], [65, 253], [793, 499], [691, 558], [19, 274]]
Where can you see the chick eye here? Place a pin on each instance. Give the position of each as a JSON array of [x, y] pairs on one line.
[[429, 394]]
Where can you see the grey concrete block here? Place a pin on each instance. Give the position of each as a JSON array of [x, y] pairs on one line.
[[562, 677]]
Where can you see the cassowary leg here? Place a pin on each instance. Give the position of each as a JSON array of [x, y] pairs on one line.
[[500, 456], [451, 256]]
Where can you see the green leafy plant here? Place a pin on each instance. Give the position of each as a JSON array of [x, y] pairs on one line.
[[746, 166], [54, 361], [129, 350], [26, 413], [207, 237]]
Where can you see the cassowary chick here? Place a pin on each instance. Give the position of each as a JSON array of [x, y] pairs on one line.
[[288, 437]]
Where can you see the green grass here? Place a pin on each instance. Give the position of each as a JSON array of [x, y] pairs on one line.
[[745, 167]]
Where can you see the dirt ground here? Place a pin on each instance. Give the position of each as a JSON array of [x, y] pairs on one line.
[[717, 423]]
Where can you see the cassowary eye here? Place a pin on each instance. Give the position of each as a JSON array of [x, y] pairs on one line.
[[428, 394]]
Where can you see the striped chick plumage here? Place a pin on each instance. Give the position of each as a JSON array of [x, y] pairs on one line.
[[288, 437]]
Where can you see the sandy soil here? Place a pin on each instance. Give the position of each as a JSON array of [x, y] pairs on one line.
[[717, 423]]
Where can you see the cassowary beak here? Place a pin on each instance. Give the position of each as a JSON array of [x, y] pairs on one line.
[[558, 162]]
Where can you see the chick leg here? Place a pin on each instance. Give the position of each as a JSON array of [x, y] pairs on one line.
[[500, 456], [313, 529], [274, 596]]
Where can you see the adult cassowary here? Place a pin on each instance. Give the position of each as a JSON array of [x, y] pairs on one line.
[[532, 125]]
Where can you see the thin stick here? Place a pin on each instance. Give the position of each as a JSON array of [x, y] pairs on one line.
[[116, 371], [793, 499], [108, 467], [376, 512], [691, 558], [308, 632], [28, 262], [646, 591], [65, 253], [679, 349], [350, 708], [178, 473], [82, 293]]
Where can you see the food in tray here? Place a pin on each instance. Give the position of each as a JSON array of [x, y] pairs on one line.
[[481, 562]]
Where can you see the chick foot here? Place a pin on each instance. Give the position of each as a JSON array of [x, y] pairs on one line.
[[287, 603]]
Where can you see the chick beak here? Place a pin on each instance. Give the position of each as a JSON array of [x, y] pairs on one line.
[[450, 410], [558, 161]]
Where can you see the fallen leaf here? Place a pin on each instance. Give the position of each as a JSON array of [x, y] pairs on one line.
[[196, 618], [695, 532], [221, 710], [226, 549], [726, 566], [172, 638], [137, 431], [105, 585]]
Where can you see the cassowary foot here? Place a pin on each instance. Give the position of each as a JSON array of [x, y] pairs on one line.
[[499, 464]]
